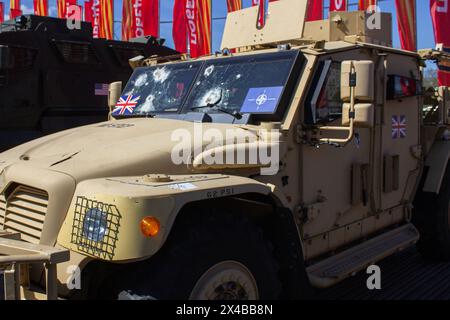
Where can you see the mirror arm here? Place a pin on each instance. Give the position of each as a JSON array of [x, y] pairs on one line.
[[350, 128]]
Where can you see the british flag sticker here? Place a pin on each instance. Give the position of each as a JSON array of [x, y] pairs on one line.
[[398, 127], [125, 105]]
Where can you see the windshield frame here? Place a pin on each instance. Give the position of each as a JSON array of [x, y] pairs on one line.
[[298, 62], [285, 96]]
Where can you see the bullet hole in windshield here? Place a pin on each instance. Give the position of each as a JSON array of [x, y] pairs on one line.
[[160, 75], [209, 71], [148, 105], [211, 97], [141, 80]]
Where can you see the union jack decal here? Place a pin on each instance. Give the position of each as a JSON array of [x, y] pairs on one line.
[[125, 105], [398, 127]]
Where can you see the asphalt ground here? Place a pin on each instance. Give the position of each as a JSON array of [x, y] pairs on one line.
[[404, 276]]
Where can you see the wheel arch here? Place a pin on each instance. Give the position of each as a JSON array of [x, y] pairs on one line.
[[435, 167], [278, 225]]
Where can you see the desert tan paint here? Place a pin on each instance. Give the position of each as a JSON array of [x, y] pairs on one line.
[[107, 162]]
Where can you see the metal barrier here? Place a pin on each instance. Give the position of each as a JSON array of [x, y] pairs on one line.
[[15, 258]]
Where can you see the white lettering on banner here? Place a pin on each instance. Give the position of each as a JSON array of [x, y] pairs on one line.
[[442, 6], [96, 18], [338, 4], [139, 22], [190, 15]]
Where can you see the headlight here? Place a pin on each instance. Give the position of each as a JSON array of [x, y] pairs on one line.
[[94, 224]]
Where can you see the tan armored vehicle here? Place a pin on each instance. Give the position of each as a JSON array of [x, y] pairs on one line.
[[298, 156]]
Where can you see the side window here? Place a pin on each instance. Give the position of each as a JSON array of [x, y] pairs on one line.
[[399, 87], [324, 99]]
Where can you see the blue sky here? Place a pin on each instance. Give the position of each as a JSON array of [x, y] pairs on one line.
[[425, 34]]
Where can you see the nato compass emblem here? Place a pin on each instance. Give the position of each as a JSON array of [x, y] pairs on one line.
[[125, 105], [262, 100]]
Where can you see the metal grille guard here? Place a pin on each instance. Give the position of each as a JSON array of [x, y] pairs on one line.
[[15, 257]]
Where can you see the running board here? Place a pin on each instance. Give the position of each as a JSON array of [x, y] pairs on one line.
[[347, 263]]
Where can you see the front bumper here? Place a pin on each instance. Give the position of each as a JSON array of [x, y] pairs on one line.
[[15, 259]]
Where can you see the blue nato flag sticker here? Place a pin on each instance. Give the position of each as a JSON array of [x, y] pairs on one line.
[[262, 100]]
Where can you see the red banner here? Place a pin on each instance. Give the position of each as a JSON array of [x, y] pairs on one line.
[[62, 6], [338, 5], [406, 19], [40, 7], [14, 4], [440, 16], [95, 18], [88, 11], [365, 5], [2, 12], [198, 16], [14, 8], [234, 5], [315, 10], [140, 18], [106, 19], [14, 13], [179, 28]]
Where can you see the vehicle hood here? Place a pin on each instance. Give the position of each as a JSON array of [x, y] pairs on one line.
[[115, 148]]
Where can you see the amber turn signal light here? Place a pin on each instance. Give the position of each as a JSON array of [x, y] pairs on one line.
[[150, 226]]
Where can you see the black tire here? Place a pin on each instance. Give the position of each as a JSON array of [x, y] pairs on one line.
[[432, 218], [198, 242]]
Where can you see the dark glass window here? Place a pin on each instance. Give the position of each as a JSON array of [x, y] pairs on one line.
[[324, 102], [399, 87]]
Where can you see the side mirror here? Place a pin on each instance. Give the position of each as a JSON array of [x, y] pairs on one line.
[[114, 92], [360, 76], [364, 115], [357, 91]]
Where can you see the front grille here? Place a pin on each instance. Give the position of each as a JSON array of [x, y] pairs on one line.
[[26, 208], [2, 210], [92, 242]]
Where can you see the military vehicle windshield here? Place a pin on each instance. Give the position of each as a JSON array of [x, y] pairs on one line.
[[251, 84], [157, 89]]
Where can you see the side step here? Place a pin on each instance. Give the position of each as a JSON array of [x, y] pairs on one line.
[[345, 264]]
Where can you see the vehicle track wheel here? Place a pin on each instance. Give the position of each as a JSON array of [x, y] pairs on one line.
[[210, 255], [432, 218]]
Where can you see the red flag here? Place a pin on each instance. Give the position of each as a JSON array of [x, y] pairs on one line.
[[179, 28], [406, 18], [315, 10], [364, 5], [14, 4], [440, 15], [15, 13], [338, 5], [95, 18], [106, 19], [234, 5], [198, 15], [40, 7], [2, 12], [88, 11], [140, 18]]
